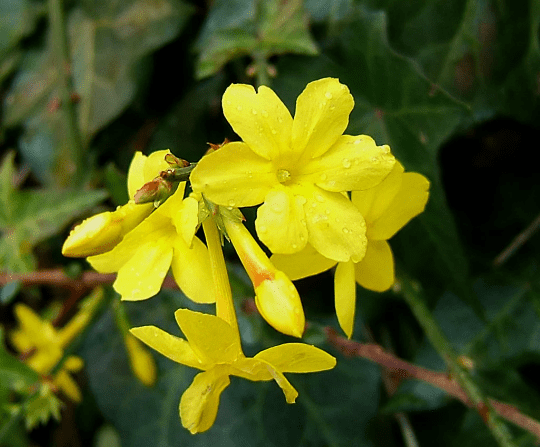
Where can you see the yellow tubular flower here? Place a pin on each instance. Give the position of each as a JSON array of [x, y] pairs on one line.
[[45, 345], [164, 239], [216, 351], [298, 167], [102, 232], [275, 295], [386, 208]]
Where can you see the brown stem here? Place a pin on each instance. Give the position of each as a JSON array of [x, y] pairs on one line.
[[405, 370], [56, 277]]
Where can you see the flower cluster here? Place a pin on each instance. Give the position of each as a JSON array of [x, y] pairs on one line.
[[326, 199]]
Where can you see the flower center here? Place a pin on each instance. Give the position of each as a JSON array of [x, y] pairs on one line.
[[283, 175]]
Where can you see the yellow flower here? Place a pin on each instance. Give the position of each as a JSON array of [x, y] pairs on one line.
[[43, 346], [298, 167], [386, 208], [213, 346], [164, 239], [102, 232], [275, 295]]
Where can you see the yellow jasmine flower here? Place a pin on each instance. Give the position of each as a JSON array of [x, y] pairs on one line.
[[213, 346], [43, 346], [166, 238], [102, 232], [386, 208], [276, 296], [298, 167]]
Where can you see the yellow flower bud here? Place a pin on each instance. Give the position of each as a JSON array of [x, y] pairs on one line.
[[102, 232], [279, 304], [141, 361]]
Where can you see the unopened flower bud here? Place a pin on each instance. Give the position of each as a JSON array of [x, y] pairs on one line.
[[176, 162], [154, 191], [141, 361]]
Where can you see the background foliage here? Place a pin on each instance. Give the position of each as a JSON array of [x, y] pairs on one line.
[[452, 86]]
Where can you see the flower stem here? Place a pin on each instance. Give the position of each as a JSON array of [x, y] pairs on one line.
[[224, 303], [416, 301], [69, 161]]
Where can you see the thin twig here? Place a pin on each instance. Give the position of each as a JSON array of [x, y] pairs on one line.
[[57, 278], [518, 241], [405, 370]]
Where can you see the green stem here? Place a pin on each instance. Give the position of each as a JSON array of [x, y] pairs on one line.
[[415, 299], [69, 161], [224, 302], [261, 69]]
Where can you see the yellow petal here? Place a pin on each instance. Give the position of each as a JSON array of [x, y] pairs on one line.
[[281, 222], [191, 270], [73, 363], [234, 176], [351, 163], [199, 403], [142, 275], [210, 337], [376, 270], [308, 262], [186, 219], [321, 117], [68, 386], [45, 359], [260, 119], [38, 332], [135, 177], [154, 227], [345, 296], [175, 348], [408, 202], [290, 393], [373, 202], [336, 228], [279, 304], [297, 358]]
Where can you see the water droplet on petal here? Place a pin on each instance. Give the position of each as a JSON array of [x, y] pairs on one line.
[[328, 95], [319, 198], [232, 202], [346, 163], [239, 108], [280, 119], [274, 131], [327, 211], [337, 219], [332, 107], [323, 177], [254, 111], [263, 229], [358, 141], [250, 174], [345, 230], [294, 246], [264, 113]]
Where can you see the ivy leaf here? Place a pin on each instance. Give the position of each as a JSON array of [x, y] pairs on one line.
[[29, 217], [108, 44], [251, 27]]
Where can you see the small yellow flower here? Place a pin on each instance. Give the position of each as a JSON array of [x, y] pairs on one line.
[[298, 167], [164, 239], [43, 345], [386, 208], [275, 295], [213, 346], [102, 232]]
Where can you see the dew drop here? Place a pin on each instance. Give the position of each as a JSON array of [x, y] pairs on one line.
[[328, 95], [337, 219], [345, 230], [232, 203], [250, 174], [332, 107], [254, 111], [319, 198], [327, 211], [280, 119], [239, 108], [274, 131], [323, 177], [358, 141], [304, 223], [346, 163], [228, 102], [263, 229], [294, 246], [264, 113], [313, 205], [322, 105]]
